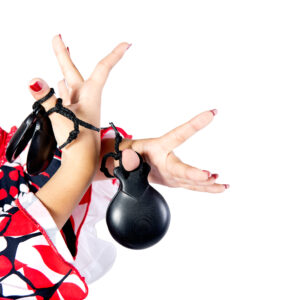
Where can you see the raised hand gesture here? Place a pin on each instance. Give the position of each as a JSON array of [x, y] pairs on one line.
[[167, 169]]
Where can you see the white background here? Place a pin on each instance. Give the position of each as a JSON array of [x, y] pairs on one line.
[[240, 57]]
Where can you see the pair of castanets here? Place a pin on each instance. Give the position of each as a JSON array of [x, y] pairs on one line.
[[138, 215], [37, 127]]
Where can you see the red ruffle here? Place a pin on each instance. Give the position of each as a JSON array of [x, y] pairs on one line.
[[4, 140]]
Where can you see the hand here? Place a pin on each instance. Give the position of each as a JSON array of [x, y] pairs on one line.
[[166, 168], [83, 97]]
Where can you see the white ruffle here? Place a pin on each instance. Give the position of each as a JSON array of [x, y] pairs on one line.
[[95, 256]]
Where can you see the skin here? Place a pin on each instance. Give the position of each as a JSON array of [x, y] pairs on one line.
[[83, 97]]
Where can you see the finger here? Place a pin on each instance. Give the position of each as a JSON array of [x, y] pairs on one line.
[[38, 89], [61, 125], [64, 92], [180, 134], [103, 67], [215, 188], [189, 173], [211, 180], [69, 70], [182, 170]]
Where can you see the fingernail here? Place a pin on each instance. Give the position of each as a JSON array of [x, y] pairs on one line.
[[60, 36], [214, 111], [215, 176], [226, 186], [37, 86], [208, 173], [128, 46], [68, 50]]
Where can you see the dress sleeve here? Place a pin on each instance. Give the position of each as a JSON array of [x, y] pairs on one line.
[[36, 258]]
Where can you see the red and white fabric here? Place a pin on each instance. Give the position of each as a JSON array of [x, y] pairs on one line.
[[34, 257]]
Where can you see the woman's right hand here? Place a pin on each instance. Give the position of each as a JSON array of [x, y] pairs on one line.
[[80, 159], [83, 97]]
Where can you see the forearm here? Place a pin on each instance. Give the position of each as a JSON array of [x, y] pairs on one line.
[[62, 193]]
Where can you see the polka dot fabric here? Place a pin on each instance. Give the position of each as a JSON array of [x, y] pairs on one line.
[[37, 260]]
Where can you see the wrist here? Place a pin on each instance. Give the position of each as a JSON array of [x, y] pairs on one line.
[[85, 148]]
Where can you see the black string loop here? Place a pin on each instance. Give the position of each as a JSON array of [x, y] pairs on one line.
[[116, 156], [59, 108], [38, 103]]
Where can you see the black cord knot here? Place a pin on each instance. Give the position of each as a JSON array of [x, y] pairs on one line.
[[73, 134], [116, 156]]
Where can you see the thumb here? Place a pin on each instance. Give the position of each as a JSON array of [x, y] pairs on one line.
[[130, 160], [60, 124], [39, 89]]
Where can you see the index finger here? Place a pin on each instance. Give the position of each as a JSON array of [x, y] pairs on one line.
[[180, 134], [105, 65]]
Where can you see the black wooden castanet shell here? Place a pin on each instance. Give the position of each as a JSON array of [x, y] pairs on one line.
[[138, 215]]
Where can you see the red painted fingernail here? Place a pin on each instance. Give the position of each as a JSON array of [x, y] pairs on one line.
[[208, 173], [214, 111], [215, 176], [68, 50], [60, 36], [226, 186], [37, 86], [128, 46]]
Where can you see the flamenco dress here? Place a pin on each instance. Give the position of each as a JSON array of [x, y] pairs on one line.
[[37, 260]]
